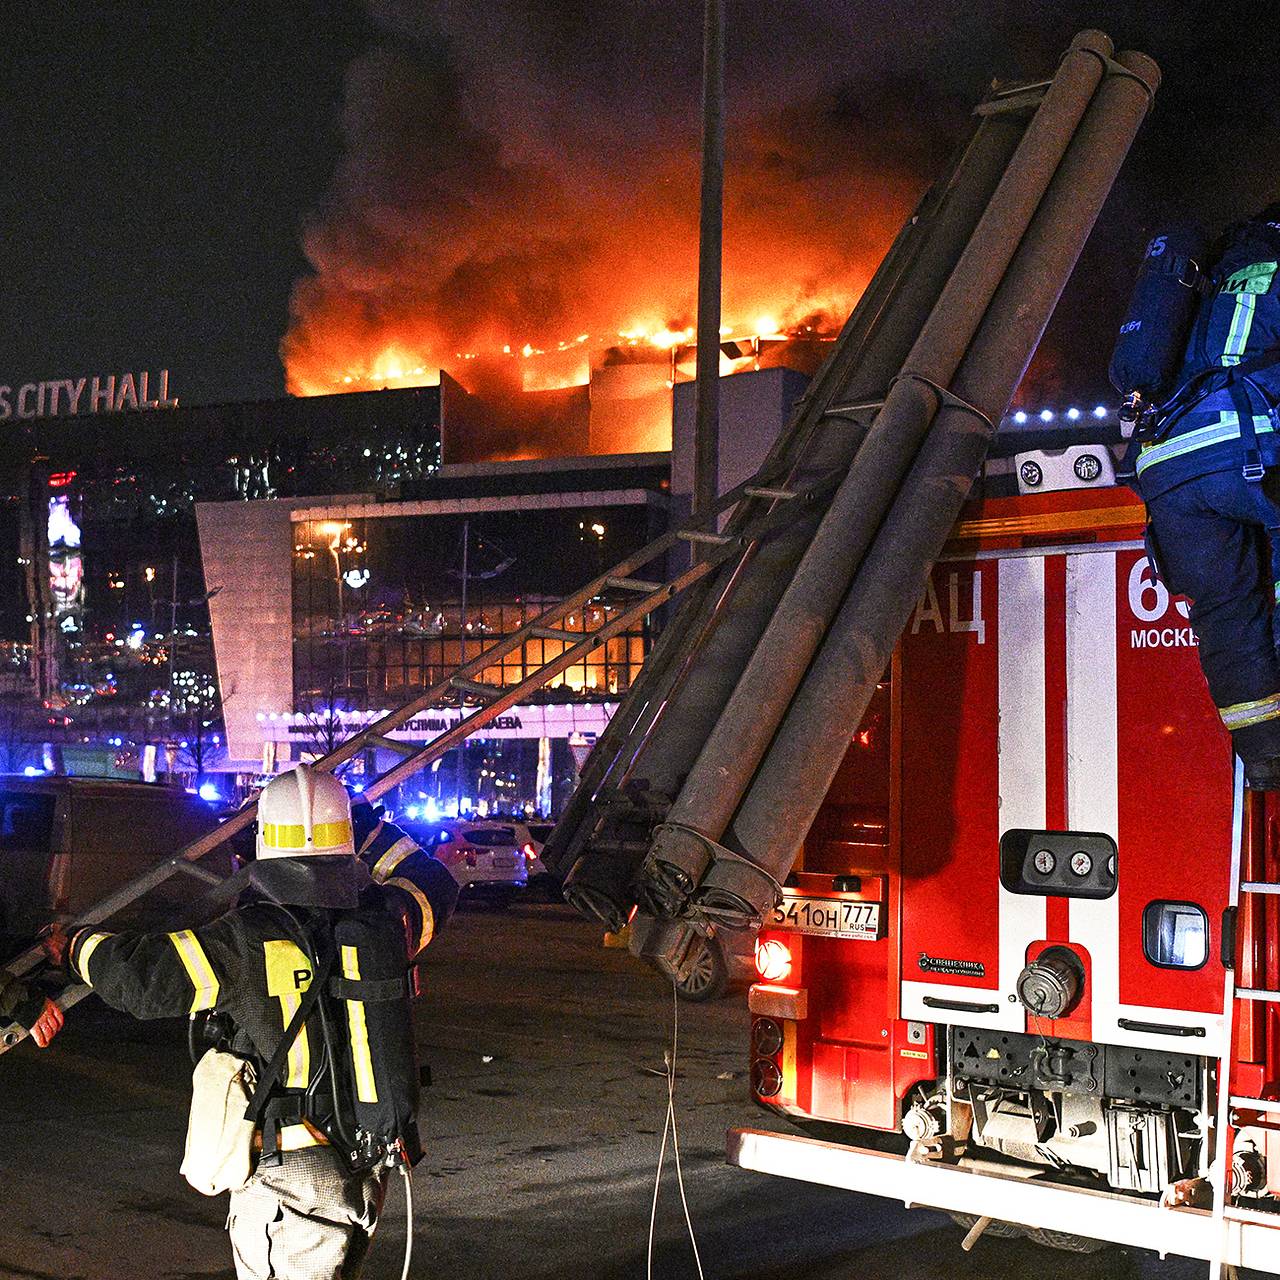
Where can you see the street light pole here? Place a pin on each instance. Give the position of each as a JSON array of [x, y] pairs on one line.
[[706, 460]]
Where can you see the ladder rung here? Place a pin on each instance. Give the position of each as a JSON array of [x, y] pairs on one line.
[[1257, 993], [554, 633], [1260, 886], [1260, 1105], [781, 494], [705, 535], [633, 584], [405, 749], [475, 687]]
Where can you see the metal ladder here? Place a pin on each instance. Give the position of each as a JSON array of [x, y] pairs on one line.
[[1229, 1104], [763, 493]]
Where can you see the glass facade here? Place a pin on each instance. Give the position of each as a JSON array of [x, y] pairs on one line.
[[386, 606], [103, 616]]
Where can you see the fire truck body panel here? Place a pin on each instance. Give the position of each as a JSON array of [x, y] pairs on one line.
[[1044, 779]]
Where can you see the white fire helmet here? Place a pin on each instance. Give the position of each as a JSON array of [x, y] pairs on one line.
[[304, 813]]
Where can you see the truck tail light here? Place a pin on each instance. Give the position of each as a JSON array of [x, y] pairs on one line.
[[773, 960], [529, 853]]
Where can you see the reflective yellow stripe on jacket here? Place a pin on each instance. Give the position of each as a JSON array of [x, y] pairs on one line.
[[87, 948], [428, 916], [288, 976], [1242, 714], [393, 857], [199, 970], [361, 1058]]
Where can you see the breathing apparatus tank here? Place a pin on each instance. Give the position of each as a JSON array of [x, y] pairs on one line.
[[1157, 323]]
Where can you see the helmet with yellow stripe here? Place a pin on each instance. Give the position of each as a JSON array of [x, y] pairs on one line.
[[304, 813]]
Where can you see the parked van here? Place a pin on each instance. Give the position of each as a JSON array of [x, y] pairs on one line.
[[65, 843]]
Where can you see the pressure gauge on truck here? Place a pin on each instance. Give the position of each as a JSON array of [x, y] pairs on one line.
[[1081, 863], [1044, 862]]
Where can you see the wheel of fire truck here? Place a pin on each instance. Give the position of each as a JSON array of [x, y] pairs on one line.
[[1037, 1235], [1000, 1230], [708, 977]]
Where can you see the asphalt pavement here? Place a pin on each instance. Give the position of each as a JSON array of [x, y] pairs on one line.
[[542, 1132]]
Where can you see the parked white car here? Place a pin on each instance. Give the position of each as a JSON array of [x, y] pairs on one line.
[[489, 858]]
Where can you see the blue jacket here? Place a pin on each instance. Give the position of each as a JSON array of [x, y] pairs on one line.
[[1238, 320]]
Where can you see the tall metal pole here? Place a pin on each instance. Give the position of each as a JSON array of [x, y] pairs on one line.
[[459, 766], [706, 455]]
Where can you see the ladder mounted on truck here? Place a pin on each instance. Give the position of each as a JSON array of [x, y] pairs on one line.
[[1233, 1110], [761, 503]]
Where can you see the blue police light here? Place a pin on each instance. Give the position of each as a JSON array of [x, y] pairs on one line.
[[411, 812], [1100, 411], [32, 772], [209, 793], [1046, 415], [1073, 414], [357, 787], [1020, 417]]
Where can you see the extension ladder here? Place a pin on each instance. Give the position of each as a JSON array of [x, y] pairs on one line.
[[764, 502]]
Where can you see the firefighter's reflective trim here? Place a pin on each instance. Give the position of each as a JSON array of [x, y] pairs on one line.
[[288, 976], [84, 951], [1238, 335], [428, 916], [293, 835], [1242, 714], [361, 1058], [393, 857], [199, 970], [1227, 428]]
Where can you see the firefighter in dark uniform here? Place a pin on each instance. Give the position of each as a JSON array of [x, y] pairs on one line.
[[1205, 464], [341, 1107]]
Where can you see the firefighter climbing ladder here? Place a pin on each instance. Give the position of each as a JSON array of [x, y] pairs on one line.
[[757, 507]]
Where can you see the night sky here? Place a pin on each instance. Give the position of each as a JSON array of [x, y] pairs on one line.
[[162, 163]]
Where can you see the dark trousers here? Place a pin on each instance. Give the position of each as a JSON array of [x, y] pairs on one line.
[[1217, 541]]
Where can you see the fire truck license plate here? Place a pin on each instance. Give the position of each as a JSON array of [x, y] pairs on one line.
[[827, 917]]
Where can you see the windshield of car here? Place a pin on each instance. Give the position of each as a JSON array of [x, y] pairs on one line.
[[26, 821], [490, 837], [541, 831]]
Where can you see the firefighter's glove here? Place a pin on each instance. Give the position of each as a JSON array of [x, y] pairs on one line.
[[47, 1025], [54, 944]]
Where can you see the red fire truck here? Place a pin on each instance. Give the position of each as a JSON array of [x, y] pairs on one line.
[[995, 984]]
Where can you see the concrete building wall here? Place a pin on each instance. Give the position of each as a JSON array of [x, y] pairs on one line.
[[247, 550], [754, 407]]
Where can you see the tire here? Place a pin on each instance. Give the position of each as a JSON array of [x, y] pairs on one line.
[[708, 978], [999, 1230], [1065, 1241]]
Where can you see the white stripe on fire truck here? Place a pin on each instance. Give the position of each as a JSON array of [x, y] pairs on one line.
[[1020, 651], [1093, 762]]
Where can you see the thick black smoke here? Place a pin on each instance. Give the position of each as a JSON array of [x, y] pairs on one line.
[[527, 172]]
